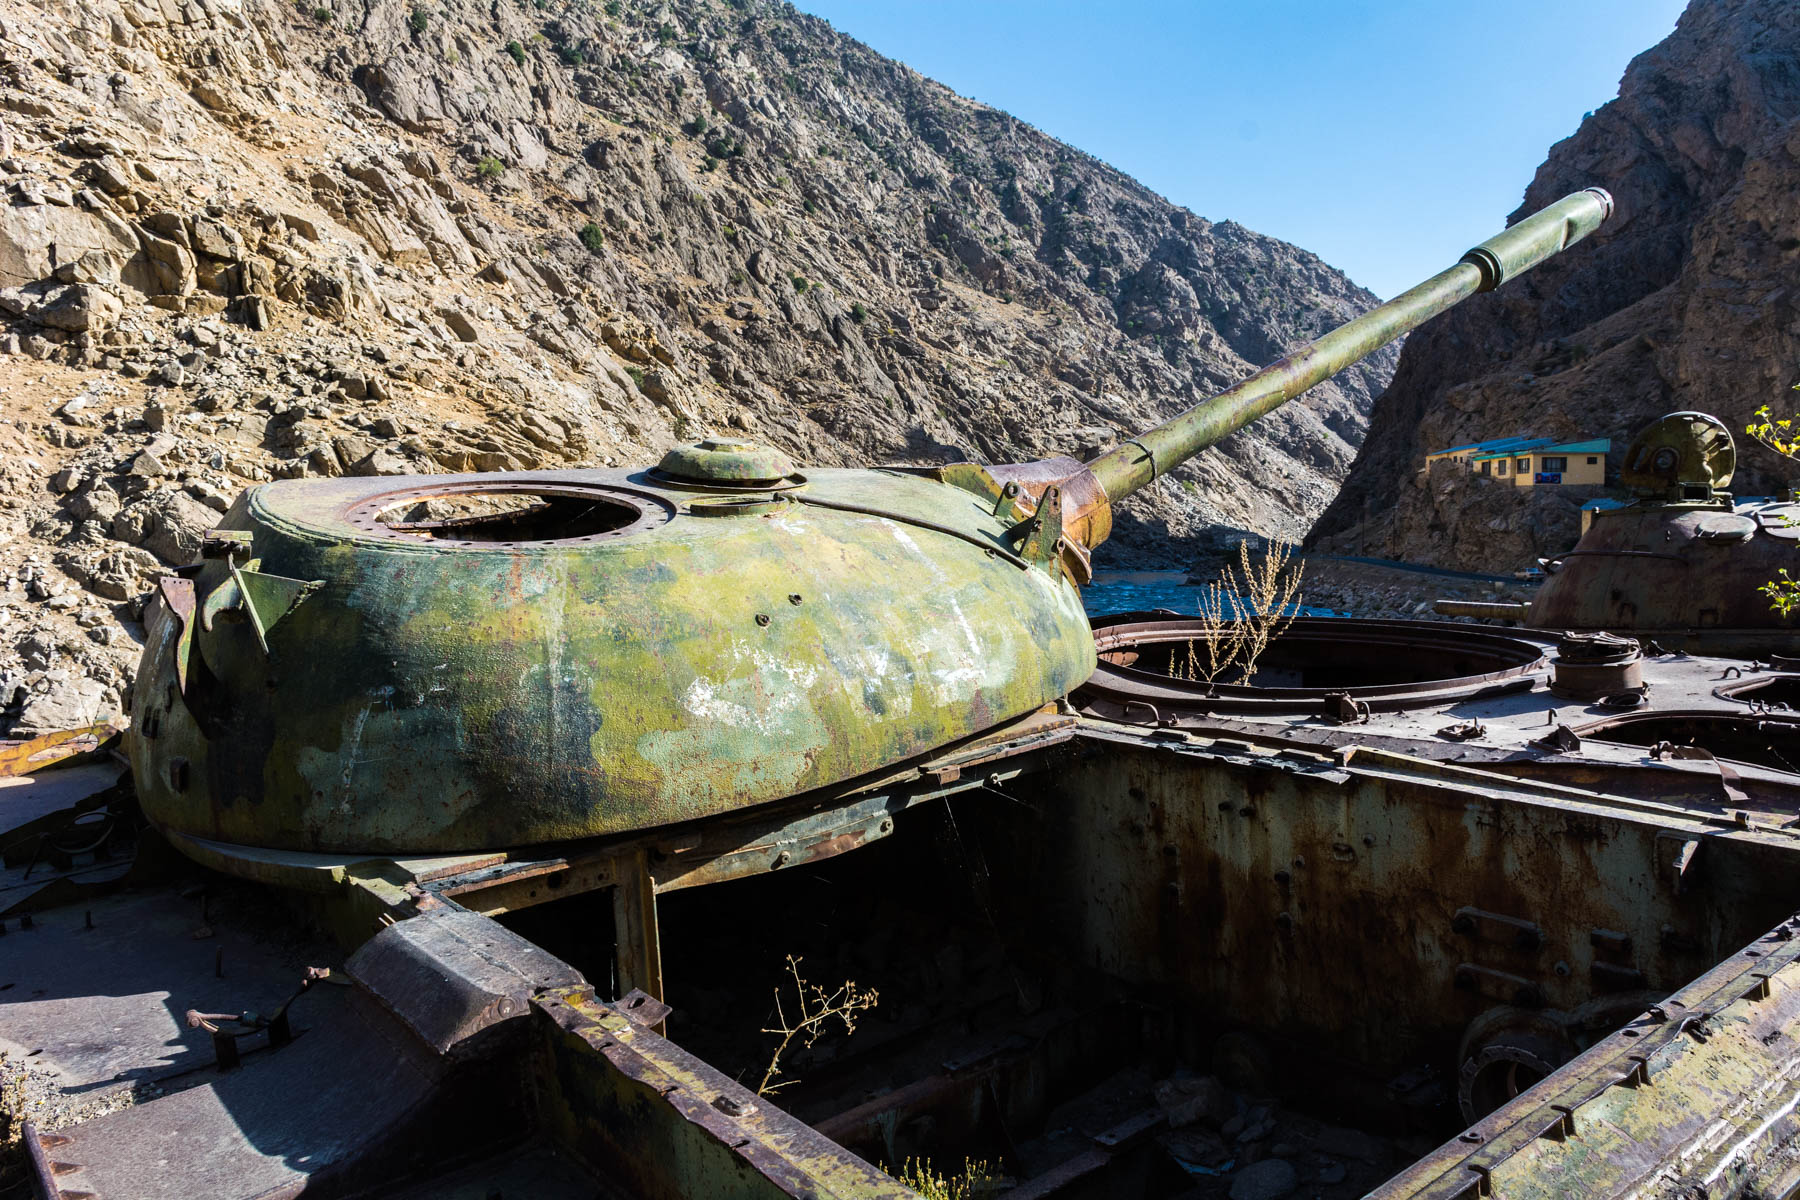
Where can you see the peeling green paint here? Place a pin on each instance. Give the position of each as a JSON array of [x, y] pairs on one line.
[[428, 699]]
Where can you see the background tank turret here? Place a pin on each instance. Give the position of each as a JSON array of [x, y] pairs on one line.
[[455, 663], [1683, 561]]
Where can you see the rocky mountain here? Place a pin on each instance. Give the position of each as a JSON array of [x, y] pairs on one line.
[[244, 240], [1688, 299]]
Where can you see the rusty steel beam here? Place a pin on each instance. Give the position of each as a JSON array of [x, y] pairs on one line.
[[51, 749], [1697, 1094], [635, 929], [663, 1124]]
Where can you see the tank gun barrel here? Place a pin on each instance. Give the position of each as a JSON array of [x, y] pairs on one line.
[[1140, 460]]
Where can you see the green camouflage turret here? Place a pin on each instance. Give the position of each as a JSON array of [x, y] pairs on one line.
[[454, 663]]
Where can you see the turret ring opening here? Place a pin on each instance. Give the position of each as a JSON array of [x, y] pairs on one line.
[[508, 515]]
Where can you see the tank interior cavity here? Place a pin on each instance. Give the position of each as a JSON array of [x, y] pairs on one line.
[[1777, 693], [1191, 961], [1391, 665], [511, 517], [1771, 741]]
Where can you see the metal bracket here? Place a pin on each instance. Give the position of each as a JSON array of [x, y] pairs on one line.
[[1729, 779], [1344, 708], [227, 1028], [229, 544], [1561, 740], [259, 598], [1516, 932], [177, 594], [641, 1008], [1679, 860], [1039, 536], [1004, 503]]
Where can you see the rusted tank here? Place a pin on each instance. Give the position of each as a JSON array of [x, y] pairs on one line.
[[1682, 563], [1411, 910], [420, 665]]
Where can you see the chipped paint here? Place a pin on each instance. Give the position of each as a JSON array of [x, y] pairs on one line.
[[542, 691]]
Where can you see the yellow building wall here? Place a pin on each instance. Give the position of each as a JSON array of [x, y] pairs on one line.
[[1577, 473], [1493, 469]]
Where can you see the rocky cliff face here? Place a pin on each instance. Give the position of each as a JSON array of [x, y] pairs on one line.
[[244, 240], [1688, 299]]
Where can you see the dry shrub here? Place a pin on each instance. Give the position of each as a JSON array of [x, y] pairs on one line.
[[1241, 612]]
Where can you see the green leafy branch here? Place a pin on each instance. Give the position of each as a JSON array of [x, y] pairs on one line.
[[1783, 593], [1777, 433], [1780, 435]]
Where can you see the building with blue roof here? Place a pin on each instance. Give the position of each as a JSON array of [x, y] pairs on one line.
[[1532, 462]]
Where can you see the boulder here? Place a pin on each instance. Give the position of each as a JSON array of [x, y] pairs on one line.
[[34, 241], [168, 524], [351, 450], [1270, 1179], [98, 503], [256, 277], [410, 100], [1187, 1100], [254, 312], [215, 240], [95, 266], [108, 174], [172, 266], [80, 308], [60, 701], [459, 323], [382, 461]]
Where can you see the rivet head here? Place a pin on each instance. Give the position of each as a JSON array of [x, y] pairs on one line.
[[762, 618], [795, 598], [733, 1107]]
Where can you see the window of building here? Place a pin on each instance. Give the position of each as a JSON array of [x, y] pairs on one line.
[[1592, 459], [1500, 467], [1523, 465], [1484, 467], [1553, 465]]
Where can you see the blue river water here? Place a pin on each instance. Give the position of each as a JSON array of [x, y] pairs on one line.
[[1142, 591]]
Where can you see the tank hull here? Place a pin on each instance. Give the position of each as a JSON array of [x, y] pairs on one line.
[[1677, 572], [437, 696]]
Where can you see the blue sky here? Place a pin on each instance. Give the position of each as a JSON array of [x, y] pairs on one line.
[[1385, 137]]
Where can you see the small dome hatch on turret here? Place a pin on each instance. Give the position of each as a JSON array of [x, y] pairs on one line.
[[1683, 457], [729, 463]]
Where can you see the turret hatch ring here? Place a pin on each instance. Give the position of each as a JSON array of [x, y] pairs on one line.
[[509, 515]]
